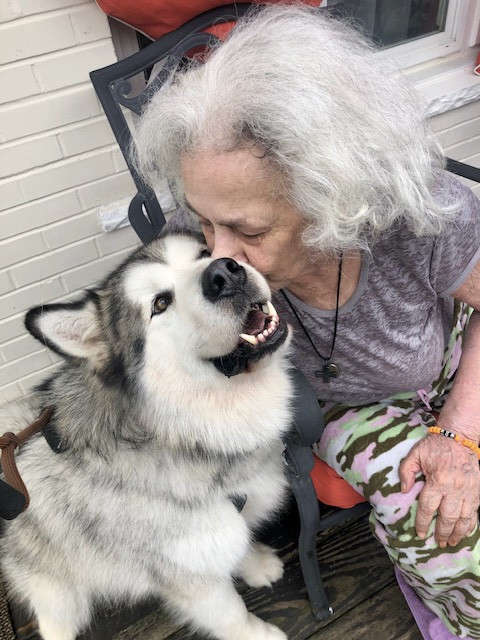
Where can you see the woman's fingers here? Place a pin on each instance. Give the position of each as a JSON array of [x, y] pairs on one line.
[[464, 526], [456, 518], [408, 469], [450, 519], [429, 501]]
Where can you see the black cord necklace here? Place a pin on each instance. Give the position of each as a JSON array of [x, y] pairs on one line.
[[329, 369]]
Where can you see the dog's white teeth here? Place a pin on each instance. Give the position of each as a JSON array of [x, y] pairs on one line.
[[265, 308], [271, 311], [248, 338]]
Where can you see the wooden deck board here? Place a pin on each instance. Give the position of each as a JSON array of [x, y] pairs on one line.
[[384, 615]]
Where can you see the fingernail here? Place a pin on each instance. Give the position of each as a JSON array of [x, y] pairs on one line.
[[403, 486]]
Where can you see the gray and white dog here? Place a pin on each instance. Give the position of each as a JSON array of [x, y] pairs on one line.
[[169, 409]]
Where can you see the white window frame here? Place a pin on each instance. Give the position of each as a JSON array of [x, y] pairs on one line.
[[461, 29]]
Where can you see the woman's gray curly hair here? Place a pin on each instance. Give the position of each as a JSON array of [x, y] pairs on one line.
[[342, 129]]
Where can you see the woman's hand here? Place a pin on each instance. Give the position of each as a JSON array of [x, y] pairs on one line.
[[452, 487]]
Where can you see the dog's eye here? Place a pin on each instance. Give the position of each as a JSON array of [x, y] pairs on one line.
[[205, 253], [161, 303]]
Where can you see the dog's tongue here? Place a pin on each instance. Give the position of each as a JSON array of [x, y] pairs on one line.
[[255, 322]]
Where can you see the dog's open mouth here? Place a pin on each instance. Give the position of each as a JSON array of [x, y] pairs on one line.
[[262, 322], [263, 332]]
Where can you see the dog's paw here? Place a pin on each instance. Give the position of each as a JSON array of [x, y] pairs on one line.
[[260, 630], [261, 567]]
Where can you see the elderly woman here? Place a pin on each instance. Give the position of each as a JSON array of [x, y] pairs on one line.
[[298, 149]]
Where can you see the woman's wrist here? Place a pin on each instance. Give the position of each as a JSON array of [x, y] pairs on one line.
[[461, 429], [456, 437], [454, 417]]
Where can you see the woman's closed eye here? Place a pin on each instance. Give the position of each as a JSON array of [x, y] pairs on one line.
[[250, 234]]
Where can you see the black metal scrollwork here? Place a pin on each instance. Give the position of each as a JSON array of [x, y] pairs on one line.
[[122, 87]]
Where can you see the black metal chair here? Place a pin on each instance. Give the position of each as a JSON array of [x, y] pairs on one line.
[[114, 89]]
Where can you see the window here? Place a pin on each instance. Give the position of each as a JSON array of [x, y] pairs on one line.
[[418, 30], [393, 22]]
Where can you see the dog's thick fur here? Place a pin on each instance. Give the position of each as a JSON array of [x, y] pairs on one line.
[[156, 444]]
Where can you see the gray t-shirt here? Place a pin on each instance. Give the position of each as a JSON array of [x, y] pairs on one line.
[[393, 331]]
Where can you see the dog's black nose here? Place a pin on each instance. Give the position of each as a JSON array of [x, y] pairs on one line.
[[223, 278]]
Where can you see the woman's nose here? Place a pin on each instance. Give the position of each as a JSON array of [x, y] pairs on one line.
[[226, 245]]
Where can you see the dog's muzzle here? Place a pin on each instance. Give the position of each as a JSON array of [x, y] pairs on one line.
[[263, 330]]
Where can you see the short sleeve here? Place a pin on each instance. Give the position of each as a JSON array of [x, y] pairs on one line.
[[457, 250]]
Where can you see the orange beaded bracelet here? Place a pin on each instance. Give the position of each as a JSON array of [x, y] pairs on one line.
[[449, 434]]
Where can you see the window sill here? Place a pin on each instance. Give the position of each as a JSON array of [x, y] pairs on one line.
[[447, 83]]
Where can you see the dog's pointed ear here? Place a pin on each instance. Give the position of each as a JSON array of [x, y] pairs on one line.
[[70, 329]]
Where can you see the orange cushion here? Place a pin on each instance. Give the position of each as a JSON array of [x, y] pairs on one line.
[[331, 488], [155, 18]]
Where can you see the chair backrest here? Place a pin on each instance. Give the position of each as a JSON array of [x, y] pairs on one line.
[[463, 170], [114, 88], [113, 85]]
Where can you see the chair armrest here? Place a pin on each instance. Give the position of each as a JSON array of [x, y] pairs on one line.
[[308, 423], [463, 170], [146, 226]]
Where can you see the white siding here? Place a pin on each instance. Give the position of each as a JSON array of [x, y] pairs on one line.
[[459, 135]]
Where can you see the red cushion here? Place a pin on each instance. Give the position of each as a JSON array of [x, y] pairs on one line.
[[331, 488], [155, 18]]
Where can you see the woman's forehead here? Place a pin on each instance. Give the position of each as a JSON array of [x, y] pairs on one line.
[[231, 166], [228, 178]]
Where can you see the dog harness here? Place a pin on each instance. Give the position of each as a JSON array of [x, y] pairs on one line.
[[9, 442]]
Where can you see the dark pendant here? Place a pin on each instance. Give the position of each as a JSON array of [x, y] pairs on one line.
[[329, 370]]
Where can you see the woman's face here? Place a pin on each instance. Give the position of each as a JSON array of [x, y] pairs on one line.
[[242, 217]]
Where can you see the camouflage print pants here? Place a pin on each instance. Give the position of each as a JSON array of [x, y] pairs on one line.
[[365, 446]]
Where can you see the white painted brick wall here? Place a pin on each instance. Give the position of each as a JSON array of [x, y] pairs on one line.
[[35, 36], [19, 157], [47, 111], [17, 81], [33, 215], [459, 135], [59, 164]]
